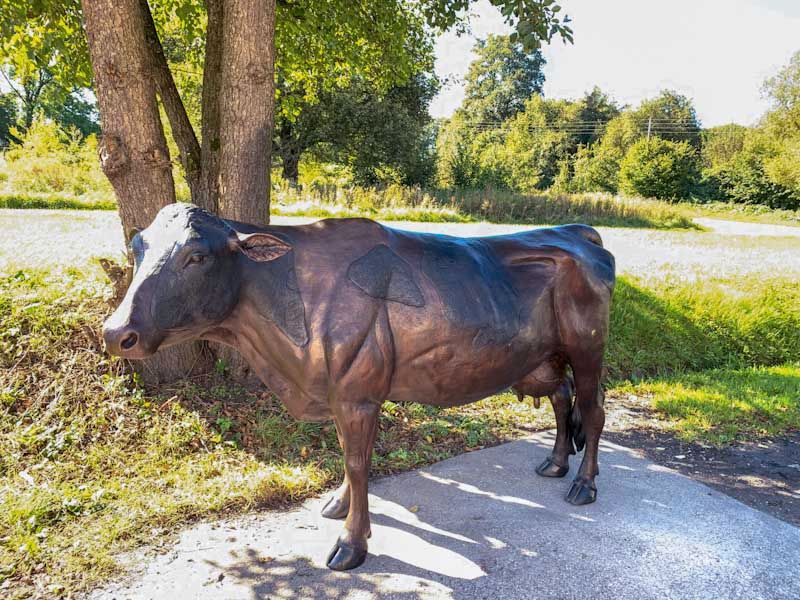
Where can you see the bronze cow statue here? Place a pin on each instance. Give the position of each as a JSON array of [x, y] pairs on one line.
[[340, 315]]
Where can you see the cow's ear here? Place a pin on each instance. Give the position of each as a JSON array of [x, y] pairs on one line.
[[259, 247]]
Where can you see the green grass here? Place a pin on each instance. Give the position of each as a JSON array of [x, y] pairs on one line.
[[424, 214], [722, 405], [667, 326], [396, 202], [56, 201], [92, 464]]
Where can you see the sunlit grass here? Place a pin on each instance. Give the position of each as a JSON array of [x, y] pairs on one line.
[[723, 405], [395, 202], [661, 326], [57, 201]]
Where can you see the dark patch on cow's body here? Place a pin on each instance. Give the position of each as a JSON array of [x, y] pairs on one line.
[[279, 298], [475, 290], [382, 274]]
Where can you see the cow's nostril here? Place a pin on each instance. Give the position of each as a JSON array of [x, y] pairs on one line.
[[129, 341]]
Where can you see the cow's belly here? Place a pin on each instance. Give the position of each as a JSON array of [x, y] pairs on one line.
[[453, 372], [442, 362]]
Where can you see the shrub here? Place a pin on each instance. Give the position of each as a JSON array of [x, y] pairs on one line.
[[51, 160], [744, 180], [657, 168], [595, 169]]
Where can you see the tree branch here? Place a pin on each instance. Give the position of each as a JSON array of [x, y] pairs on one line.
[[212, 82], [11, 85], [182, 130]]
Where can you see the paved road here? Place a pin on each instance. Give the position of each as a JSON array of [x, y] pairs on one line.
[[483, 525]]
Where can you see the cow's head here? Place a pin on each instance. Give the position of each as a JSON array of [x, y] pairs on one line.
[[187, 278]]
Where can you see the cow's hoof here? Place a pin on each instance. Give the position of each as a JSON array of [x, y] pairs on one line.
[[548, 468], [344, 557], [335, 508], [581, 492]]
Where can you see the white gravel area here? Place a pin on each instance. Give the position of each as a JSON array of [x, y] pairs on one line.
[[744, 228], [32, 238]]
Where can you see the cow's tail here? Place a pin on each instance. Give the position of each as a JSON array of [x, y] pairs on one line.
[[576, 433]]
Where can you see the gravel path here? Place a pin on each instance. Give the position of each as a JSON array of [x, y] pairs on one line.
[[69, 238], [744, 228]]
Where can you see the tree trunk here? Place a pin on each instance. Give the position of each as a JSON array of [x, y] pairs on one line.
[[289, 151], [133, 150], [212, 80], [291, 167], [240, 59], [246, 109], [182, 130]]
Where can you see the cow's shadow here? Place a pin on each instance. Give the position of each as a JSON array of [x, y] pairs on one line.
[[442, 534]]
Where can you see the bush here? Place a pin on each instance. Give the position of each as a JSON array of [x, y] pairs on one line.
[[51, 160], [595, 169], [744, 180], [657, 168]]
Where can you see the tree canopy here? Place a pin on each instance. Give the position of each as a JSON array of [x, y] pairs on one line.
[[501, 79]]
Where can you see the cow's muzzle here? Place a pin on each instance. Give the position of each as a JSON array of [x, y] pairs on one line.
[[126, 341]]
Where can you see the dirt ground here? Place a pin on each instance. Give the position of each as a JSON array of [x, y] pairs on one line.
[[764, 474]]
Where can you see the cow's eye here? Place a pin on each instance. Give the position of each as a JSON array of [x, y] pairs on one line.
[[196, 259]]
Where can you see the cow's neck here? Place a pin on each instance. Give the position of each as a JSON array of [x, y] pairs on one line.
[[278, 361]]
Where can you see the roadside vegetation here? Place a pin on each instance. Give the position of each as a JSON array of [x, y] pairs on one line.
[[54, 169], [400, 203]]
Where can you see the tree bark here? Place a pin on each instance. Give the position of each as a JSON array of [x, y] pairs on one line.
[[246, 109], [212, 80], [182, 130], [238, 107], [289, 150], [133, 150], [291, 167]]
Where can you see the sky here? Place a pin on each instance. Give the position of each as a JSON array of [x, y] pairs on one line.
[[718, 52]]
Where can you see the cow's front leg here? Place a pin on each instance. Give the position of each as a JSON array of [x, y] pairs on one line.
[[339, 504], [358, 423]]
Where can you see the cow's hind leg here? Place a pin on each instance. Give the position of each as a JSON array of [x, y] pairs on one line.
[[557, 464], [339, 503], [358, 423], [589, 403]]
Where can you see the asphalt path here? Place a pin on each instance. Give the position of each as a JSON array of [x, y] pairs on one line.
[[484, 525]]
